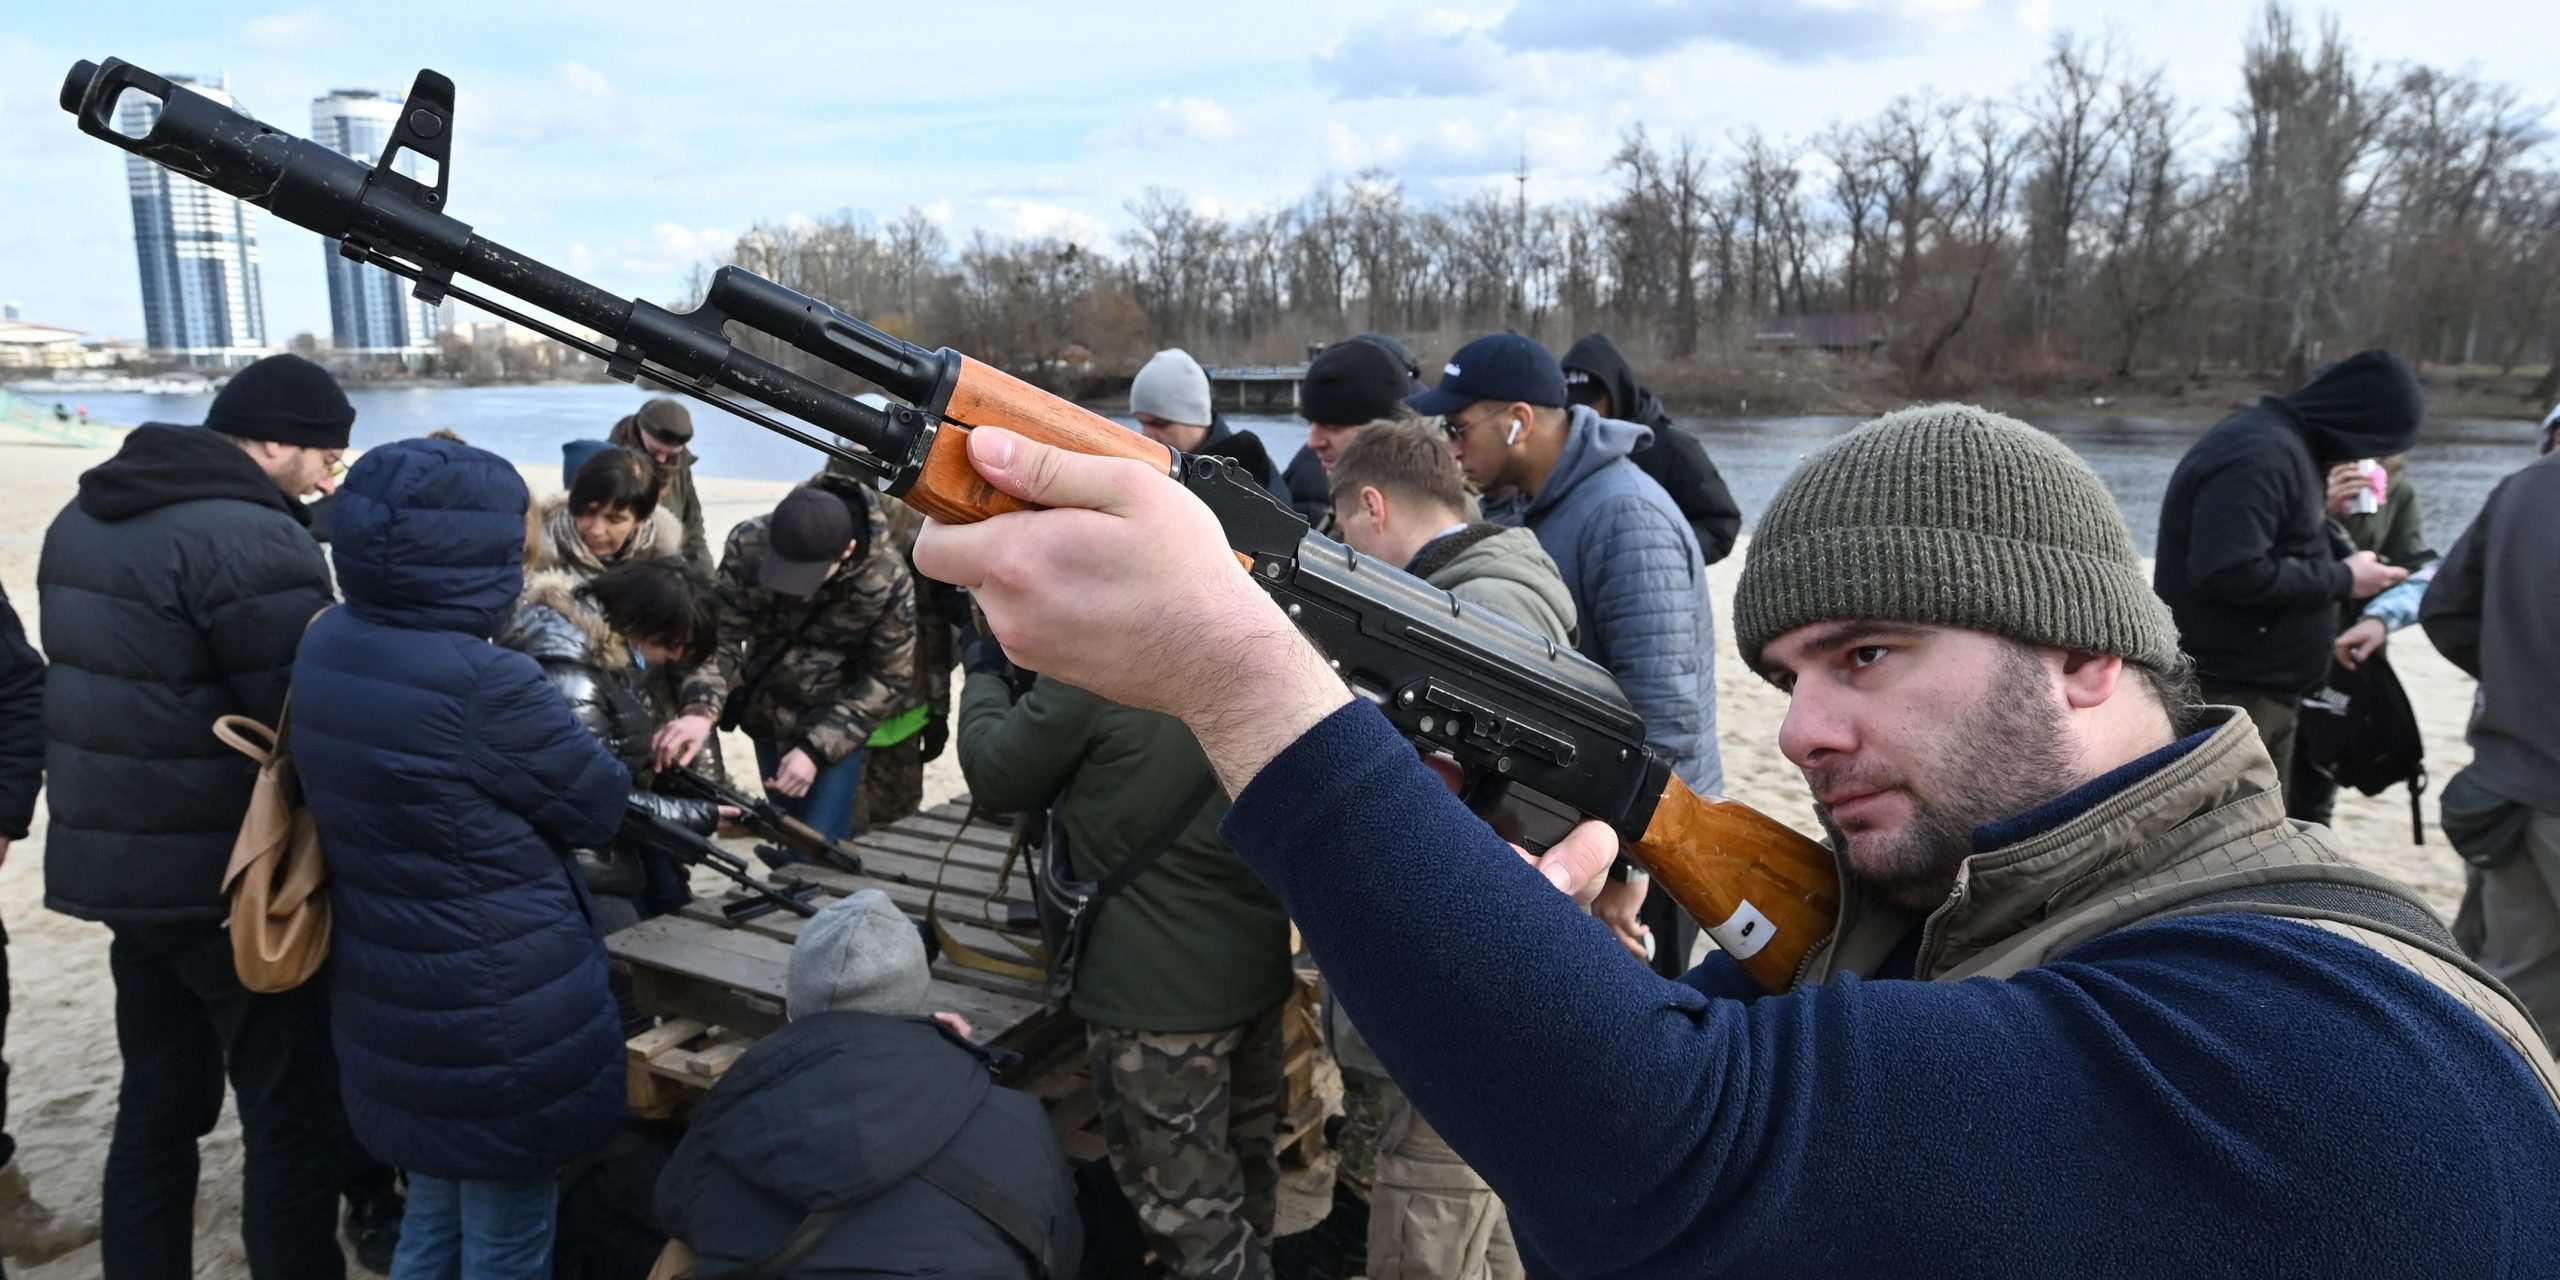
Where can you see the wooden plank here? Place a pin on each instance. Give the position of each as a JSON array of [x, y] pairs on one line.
[[666, 1035]]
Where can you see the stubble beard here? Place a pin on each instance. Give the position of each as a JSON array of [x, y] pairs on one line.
[[2009, 754]]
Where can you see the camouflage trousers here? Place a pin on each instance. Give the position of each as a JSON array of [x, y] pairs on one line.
[[892, 785], [1191, 1120]]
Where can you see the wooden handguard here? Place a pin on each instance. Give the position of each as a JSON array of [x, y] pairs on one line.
[[951, 491], [1765, 893]]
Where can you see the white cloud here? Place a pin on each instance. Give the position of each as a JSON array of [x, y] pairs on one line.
[[289, 32], [668, 251], [586, 80], [1040, 218], [938, 213], [1170, 122], [1350, 150]]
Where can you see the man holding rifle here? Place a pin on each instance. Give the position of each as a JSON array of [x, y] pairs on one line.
[[1987, 705]]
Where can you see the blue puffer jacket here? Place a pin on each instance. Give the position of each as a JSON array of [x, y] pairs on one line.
[[1639, 587], [476, 1035]]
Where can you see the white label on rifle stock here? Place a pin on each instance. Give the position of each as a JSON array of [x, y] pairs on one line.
[[1744, 932]]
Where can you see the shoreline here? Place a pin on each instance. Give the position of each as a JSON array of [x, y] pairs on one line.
[[63, 1087]]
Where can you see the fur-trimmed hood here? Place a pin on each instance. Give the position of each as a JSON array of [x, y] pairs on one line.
[[551, 540], [557, 620]]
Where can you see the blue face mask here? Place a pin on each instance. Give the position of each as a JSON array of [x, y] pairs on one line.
[[639, 660]]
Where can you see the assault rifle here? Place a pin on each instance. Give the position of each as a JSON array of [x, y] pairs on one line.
[[1544, 735], [764, 819], [693, 849]]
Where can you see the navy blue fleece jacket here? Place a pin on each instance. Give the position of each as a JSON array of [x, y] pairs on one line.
[[2228, 1095]]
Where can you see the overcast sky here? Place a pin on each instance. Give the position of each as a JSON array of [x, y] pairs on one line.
[[630, 140]]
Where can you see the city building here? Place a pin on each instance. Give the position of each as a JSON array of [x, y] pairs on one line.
[[42, 346], [198, 250], [371, 315]]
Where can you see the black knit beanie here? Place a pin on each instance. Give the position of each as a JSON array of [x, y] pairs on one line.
[[1352, 384], [1951, 515], [286, 399]]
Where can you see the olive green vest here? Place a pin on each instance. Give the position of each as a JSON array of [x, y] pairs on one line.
[[2210, 825]]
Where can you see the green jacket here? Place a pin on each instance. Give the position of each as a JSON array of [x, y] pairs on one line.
[[1501, 568], [2396, 533], [676, 494], [1194, 943]]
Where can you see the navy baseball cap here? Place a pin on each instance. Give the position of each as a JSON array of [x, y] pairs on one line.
[[1504, 366]]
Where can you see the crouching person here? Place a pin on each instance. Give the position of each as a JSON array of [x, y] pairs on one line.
[[477, 1041], [593, 638], [867, 1137]]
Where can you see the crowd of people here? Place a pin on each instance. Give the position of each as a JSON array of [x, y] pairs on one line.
[[2036, 763]]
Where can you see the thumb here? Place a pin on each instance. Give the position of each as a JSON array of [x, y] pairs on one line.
[[1048, 476], [1580, 857]]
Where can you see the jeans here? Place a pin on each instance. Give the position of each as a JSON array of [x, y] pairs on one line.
[[183, 1022], [829, 804], [477, 1229]]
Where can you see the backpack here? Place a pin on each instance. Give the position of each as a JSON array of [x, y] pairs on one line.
[[2358, 727]]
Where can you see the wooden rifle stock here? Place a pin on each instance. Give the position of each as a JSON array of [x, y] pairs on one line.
[[1763, 891], [951, 491]]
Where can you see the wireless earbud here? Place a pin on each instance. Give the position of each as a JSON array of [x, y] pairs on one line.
[[1514, 437]]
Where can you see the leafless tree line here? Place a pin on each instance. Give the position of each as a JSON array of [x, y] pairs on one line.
[[2087, 222]]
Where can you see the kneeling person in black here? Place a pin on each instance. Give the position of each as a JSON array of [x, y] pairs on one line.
[[873, 1129]]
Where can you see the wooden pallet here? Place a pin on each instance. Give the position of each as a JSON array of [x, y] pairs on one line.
[[719, 986]]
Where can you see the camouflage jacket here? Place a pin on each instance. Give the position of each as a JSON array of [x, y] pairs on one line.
[[824, 671]]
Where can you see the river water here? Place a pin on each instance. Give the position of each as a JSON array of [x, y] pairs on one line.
[[2454, 467]]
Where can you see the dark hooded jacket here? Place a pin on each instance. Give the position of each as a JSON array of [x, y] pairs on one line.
[[2248, 562], [1675, 459], [173, 592], [844, 1108], [476, 1034], [21, 725]]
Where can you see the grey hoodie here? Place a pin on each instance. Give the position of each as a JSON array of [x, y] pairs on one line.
[[1639, 588], [1502, 569]]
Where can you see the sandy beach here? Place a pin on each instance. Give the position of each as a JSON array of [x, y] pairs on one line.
[[61, 1042]]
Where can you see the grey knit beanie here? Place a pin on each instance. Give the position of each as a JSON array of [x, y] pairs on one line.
[[860, 954], [1956, 516], [1173, 387]]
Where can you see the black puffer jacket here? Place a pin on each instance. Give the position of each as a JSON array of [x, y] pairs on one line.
[[847, 1109], [21, 725], [1674, 459], [560, 626], [175, 590], [2248, 561]]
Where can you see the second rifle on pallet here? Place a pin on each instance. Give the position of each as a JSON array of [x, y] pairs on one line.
[[786, 838]]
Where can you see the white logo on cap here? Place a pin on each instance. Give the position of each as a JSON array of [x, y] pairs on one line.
[[1449, 369]]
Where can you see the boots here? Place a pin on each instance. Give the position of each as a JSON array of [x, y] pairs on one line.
[[29, 1232]]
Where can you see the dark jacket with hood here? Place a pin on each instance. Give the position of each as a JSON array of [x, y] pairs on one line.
[[558, 624], [843, 1109], [2247, 560], [21, 725], [476, 1034], [1675, 459], [174, 590]]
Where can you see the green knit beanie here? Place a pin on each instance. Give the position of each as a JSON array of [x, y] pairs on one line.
[[1956, 516]]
